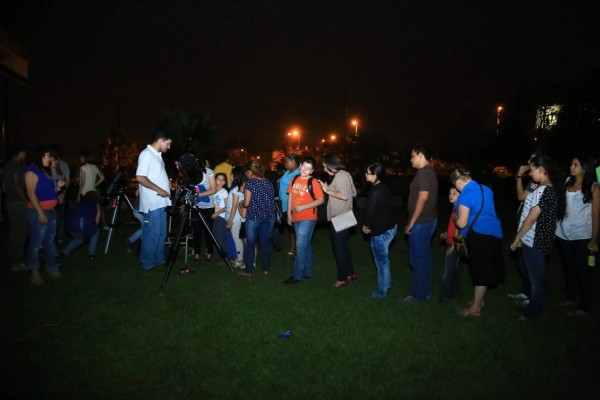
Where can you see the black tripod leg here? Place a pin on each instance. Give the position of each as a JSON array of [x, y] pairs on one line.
[[214, 240], [113, 219], [174, 248]]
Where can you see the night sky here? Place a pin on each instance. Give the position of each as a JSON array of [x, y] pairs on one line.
[[410, 70]]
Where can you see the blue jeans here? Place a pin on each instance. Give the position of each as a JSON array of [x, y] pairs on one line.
[[258, 232], [154, 233], [137, 234], [420, 259], [535, 262], [380, 246], [41, 235], [78, 239], [341, 251], [451, 276], [303, 264]]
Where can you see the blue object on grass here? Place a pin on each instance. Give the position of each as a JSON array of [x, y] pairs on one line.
[[285, 335]]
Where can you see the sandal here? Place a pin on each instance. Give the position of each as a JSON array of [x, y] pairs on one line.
[[243, 273], [467, 313], [340, 283]]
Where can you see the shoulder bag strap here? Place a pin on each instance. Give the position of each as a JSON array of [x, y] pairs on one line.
[[479, 213]]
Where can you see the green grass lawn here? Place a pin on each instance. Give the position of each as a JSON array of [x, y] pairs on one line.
[[107, 330]]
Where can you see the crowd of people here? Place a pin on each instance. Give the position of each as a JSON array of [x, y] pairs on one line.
[[36, 204], [240, 207]]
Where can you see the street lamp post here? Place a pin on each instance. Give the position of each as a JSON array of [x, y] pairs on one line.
[[499, 110]]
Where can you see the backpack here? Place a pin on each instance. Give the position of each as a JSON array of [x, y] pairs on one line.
[[320, 210]]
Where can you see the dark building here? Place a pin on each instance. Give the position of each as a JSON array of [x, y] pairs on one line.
[[14, 91]]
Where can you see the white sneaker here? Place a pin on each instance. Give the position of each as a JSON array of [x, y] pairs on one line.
[[523, 303], [518, 296]]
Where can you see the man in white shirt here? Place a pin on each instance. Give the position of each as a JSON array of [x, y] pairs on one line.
[[154, 198]]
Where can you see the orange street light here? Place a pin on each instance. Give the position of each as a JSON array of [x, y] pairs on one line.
[[332, 137], [499, 110], [354, 123], [295, 134]]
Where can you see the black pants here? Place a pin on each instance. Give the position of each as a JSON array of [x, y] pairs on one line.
[[341, 250], [200, 230], [577, 273]]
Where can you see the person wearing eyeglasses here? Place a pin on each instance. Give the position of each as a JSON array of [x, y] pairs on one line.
[[378, 224], [421, 224]]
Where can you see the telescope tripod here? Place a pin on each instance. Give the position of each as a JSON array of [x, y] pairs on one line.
[[174, 247], [116, 203]]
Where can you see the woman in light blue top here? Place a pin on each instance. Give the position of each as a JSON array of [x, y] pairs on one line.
[[292, 167]]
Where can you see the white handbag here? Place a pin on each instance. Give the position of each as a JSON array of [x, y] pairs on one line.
[[344, 221]]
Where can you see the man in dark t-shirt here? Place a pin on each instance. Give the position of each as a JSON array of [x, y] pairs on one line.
[[422, 221]]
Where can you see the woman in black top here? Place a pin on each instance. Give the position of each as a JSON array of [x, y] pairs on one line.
[[379, 225]]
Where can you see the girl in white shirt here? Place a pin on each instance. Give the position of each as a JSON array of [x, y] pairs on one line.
[[219, 227], [577, 232]]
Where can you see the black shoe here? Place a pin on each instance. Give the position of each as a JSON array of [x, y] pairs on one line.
[[129, 246], [291, 279], [61, 257]]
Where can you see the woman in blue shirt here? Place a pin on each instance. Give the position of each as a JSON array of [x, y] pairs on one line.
[[292, 167], [477, 220], [41, 216]]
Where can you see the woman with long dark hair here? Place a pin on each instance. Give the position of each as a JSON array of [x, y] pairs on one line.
[[234, 219], [341, 192], [577, 232], [259, 200], [219, 228], [378, 224], [541, 210], [41, 215], [207, 188]]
